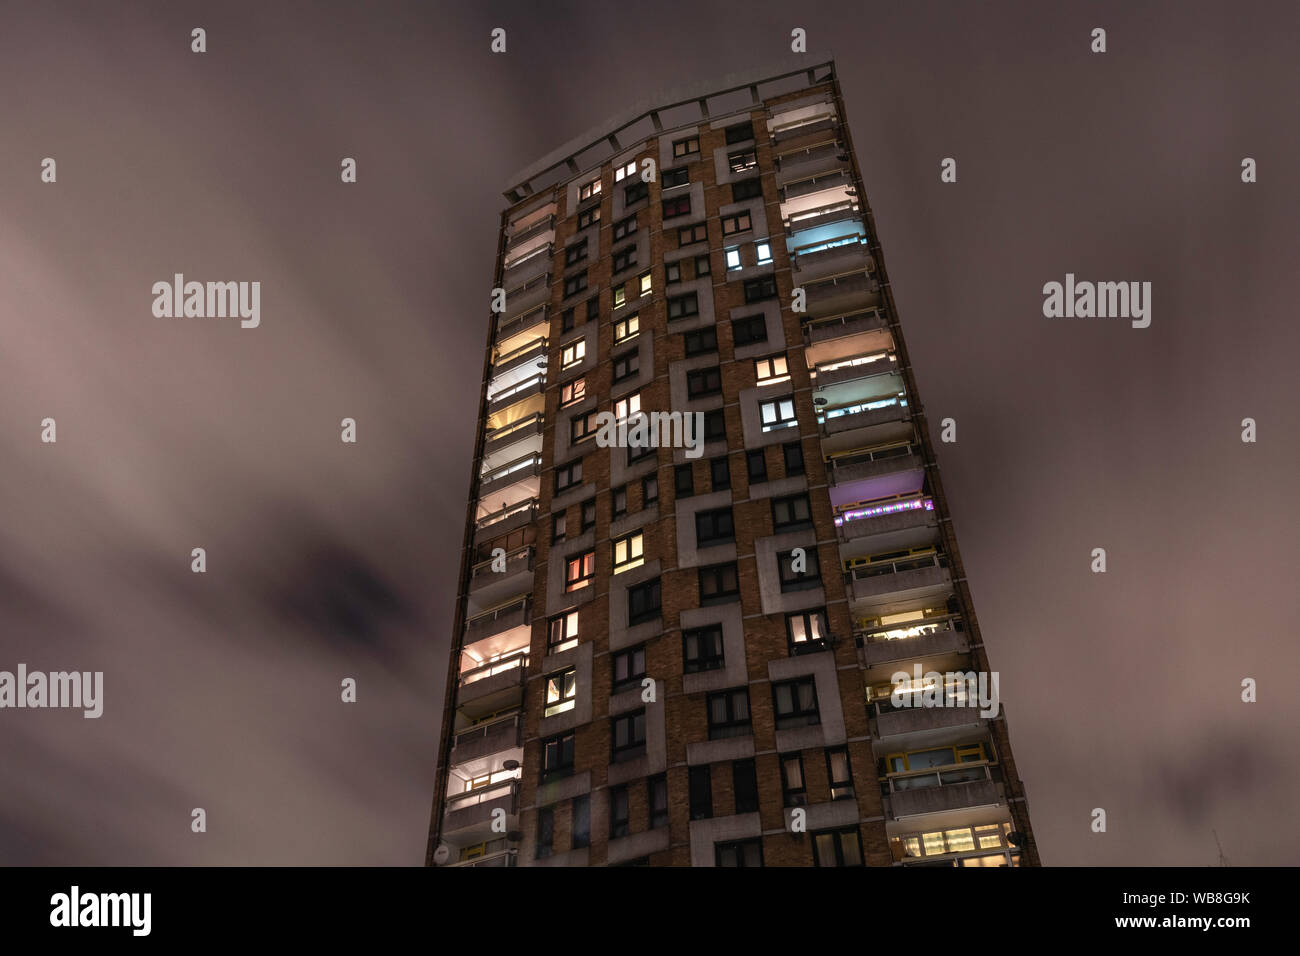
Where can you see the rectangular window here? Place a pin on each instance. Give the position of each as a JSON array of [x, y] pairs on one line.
[[746, 189], [683, 306], [582, 427], [686, 147], [677, 206], [756, 465], [575, 284], [704, 381], [791, 512], [740, 222], [649, 490], [839, 773], [763, 251], [629, 552], [618, 812], [702, 266], [581, 822], [837, 847], [624, 258], [624, 171], [739, 133], [701, 792], [625, 366], [588, 516], [635, 193], [645, 283], [563, 633], [793, 452], [702, 649], [756, 290], [573, 392], [795, 703], [735, 853], [799, 575], [771, 370], [658, 800], [714, 526], [618, 501], [750, 330], [636, 452], [778, 413], [575, 253], [568, 475], [593, 308], [742, 160], [588, 217], [689, 234], [715, 425], [744, 783], [700, 341], [573, 353], [678, 176], [626, 327], [619, 298], [628, 736], [568, 322], [629, 668], [732, 257], [729, 714], [794, 790], [579, 571], [672, 272], [557, 757], [719, 584], [643, 602], [684, 481], [625, 227], [561, 692], [557, 528], [806, 631], [545, 832], [720, 473], [589, 189], [627, 406]]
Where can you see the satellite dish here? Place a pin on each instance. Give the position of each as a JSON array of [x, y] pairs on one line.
[[510, 765], [442, 854], [1016, 838]]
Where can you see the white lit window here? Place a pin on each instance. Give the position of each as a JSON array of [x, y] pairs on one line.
[[573, 392], [771, 370], [733, 258], [646, 284], [624, 329], [764, 250], [561, 692], [627, 406], [778, 413], [624, 171], [629, 553], [573, 353], [564, 632]]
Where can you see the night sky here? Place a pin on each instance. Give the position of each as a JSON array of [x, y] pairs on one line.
[[328, 560]]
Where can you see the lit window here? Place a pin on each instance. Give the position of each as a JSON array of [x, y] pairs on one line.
[[627, 406], [806, 630], [579, 571], [620, 297], [778, 413], [573, 353], [771, 370], [625, 328], [623, 172], [563, 633], [742, 160], [582, 427], [733, 258], [629, 552], [587, 190], [645, 284], [573, 392], [561, 692], [764, 250], [588, 217]]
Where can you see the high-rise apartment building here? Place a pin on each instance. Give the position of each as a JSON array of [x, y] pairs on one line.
[[688, 656]]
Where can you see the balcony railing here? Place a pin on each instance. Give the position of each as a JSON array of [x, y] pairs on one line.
[[936, 778], [866, 571], [532, 382], [519, 238], [525, 510], [892, 633], [882, 510], [851, 323], [499, 858], [510, 662]]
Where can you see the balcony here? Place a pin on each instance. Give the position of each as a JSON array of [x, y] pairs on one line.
[[488, 586], [842, 293], [852, 370], [507, 363], [804, 161], [483, 740], [513, 441], [880, 473], [893, 525], [938, 640], [518, 392], [507, 617], [887, 584], [897, 721], [527, 469], [787, 125], [494, 686], [500, 858], [490, 524], [851, 323], [941, 792], [866, 424], [535, 262], [520, 300], [472, 811], [519, 243]]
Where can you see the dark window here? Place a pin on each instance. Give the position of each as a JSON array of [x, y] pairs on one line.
[[679, 176], [635, 193], [557, 528], [715, 425], [704, 381], [756, 465], [618, 501], [557, 757], [720, 473], [567, 321], [837, 847], [581, 821], [589, 217], [701, 341], [581, 427], [749, 330], [740, 222], [744, 781], [806, 631], [795, 703], [677, 206], [658, 799], [588, 516], [739, 853], [839, 773], [791, 512], [624, 259], [761, 288], [672, 272], [686, 147], [719, 584], [568, 475], [625, 366], [746, 189], [545, 832], [628, 668], [684, 481], [689, 234], [649, 490], [714, 526], [794, 789], [739, 133], [702, 649], [702, 266], [682, 306], [701, 793], [618, 811], [575, 253], [643, 602], [627, 736], [729, 714], [625, 227], [593, 308], [575, 284], [637, 452], [792, 577], [793, 452]]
